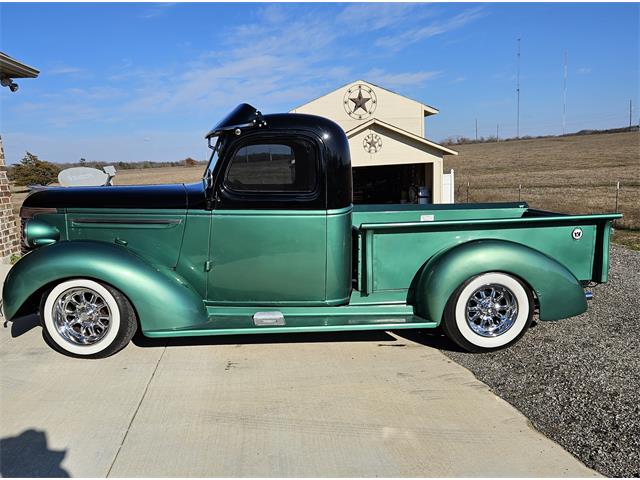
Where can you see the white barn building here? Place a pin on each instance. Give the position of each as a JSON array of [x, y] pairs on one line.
[[391, 157]]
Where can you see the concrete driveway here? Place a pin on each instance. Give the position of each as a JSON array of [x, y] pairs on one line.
[[310, 405]]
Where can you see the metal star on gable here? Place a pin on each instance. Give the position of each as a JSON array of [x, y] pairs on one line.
[[360, 102]]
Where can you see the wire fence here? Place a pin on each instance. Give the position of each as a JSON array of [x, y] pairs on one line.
[[466, 189], [615, 197]]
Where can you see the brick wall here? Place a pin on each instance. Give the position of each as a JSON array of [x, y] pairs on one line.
[[9, 227]]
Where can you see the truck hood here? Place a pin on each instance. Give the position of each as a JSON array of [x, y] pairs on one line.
[[176, 196]]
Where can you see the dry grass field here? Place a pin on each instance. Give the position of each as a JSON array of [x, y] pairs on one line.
[[160, 175], [574, 174]]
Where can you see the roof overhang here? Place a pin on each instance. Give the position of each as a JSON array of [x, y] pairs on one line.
[[427, 110], [393, 128], [12, 68]]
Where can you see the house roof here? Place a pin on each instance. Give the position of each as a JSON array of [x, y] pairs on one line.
[[426, 109], [418, 138], [12, 68]]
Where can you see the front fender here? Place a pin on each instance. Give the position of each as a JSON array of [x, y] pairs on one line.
[[162, 299], [559, 293]]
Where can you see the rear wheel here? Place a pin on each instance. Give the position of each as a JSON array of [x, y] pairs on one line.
[[88, 319], [488, 312]]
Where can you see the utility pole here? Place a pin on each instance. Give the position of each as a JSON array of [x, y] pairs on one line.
[[564, 96], [630, 110], [476, 129], [518, 93], [497, 132]]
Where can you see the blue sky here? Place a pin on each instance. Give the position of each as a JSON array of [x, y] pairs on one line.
[[134, 82]]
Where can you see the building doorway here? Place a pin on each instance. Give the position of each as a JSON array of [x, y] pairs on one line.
[[393, 184]]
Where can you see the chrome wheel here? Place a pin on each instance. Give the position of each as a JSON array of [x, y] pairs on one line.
[[81, 316], [491, 310]]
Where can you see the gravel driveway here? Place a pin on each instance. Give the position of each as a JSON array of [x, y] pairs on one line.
[[578, 380]]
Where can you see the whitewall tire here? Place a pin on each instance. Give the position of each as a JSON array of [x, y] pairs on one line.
[[489, 311], [85, 318]]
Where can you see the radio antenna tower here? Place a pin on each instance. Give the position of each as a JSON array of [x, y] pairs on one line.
[[518, 93], [564, 96]]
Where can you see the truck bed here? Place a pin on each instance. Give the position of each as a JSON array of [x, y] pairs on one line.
[[394, 241]]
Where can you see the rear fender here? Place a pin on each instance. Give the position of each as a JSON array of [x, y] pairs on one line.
[[560, 294], [162, 299]]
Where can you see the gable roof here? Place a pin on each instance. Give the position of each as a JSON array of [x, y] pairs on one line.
[[426, 109], [375, 121]]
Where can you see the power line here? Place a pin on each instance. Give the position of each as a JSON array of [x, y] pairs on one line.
[[597, 121], [620, 118]]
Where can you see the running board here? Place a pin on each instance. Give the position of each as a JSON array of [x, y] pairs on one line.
[[277, 321]]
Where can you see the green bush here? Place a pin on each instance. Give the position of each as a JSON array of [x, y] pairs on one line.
[[33, 171]]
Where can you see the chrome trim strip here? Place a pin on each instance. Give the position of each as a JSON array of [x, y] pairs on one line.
[[133, 221]]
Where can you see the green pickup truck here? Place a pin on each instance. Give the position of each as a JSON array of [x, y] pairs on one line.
[[270, 242]]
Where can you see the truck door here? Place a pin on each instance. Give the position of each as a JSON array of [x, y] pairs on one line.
[[269, 225]]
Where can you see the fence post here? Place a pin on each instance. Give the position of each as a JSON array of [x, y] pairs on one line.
[[519, 191], [467, 191], [617, 194]]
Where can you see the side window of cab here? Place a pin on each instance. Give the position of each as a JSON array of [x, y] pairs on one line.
[[278, 166], [272, 170]]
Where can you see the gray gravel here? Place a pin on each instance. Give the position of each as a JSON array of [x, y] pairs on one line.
[[578, 380]]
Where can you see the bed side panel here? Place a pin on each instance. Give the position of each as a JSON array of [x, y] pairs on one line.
[[395, 256]]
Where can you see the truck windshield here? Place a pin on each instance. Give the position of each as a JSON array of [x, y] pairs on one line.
[[213, 160]]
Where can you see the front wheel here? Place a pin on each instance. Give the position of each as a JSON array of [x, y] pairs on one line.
[[488, 312], [88, 319]]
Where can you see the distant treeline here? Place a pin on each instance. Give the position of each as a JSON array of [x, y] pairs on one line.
[[187, 162], [461, 140]]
